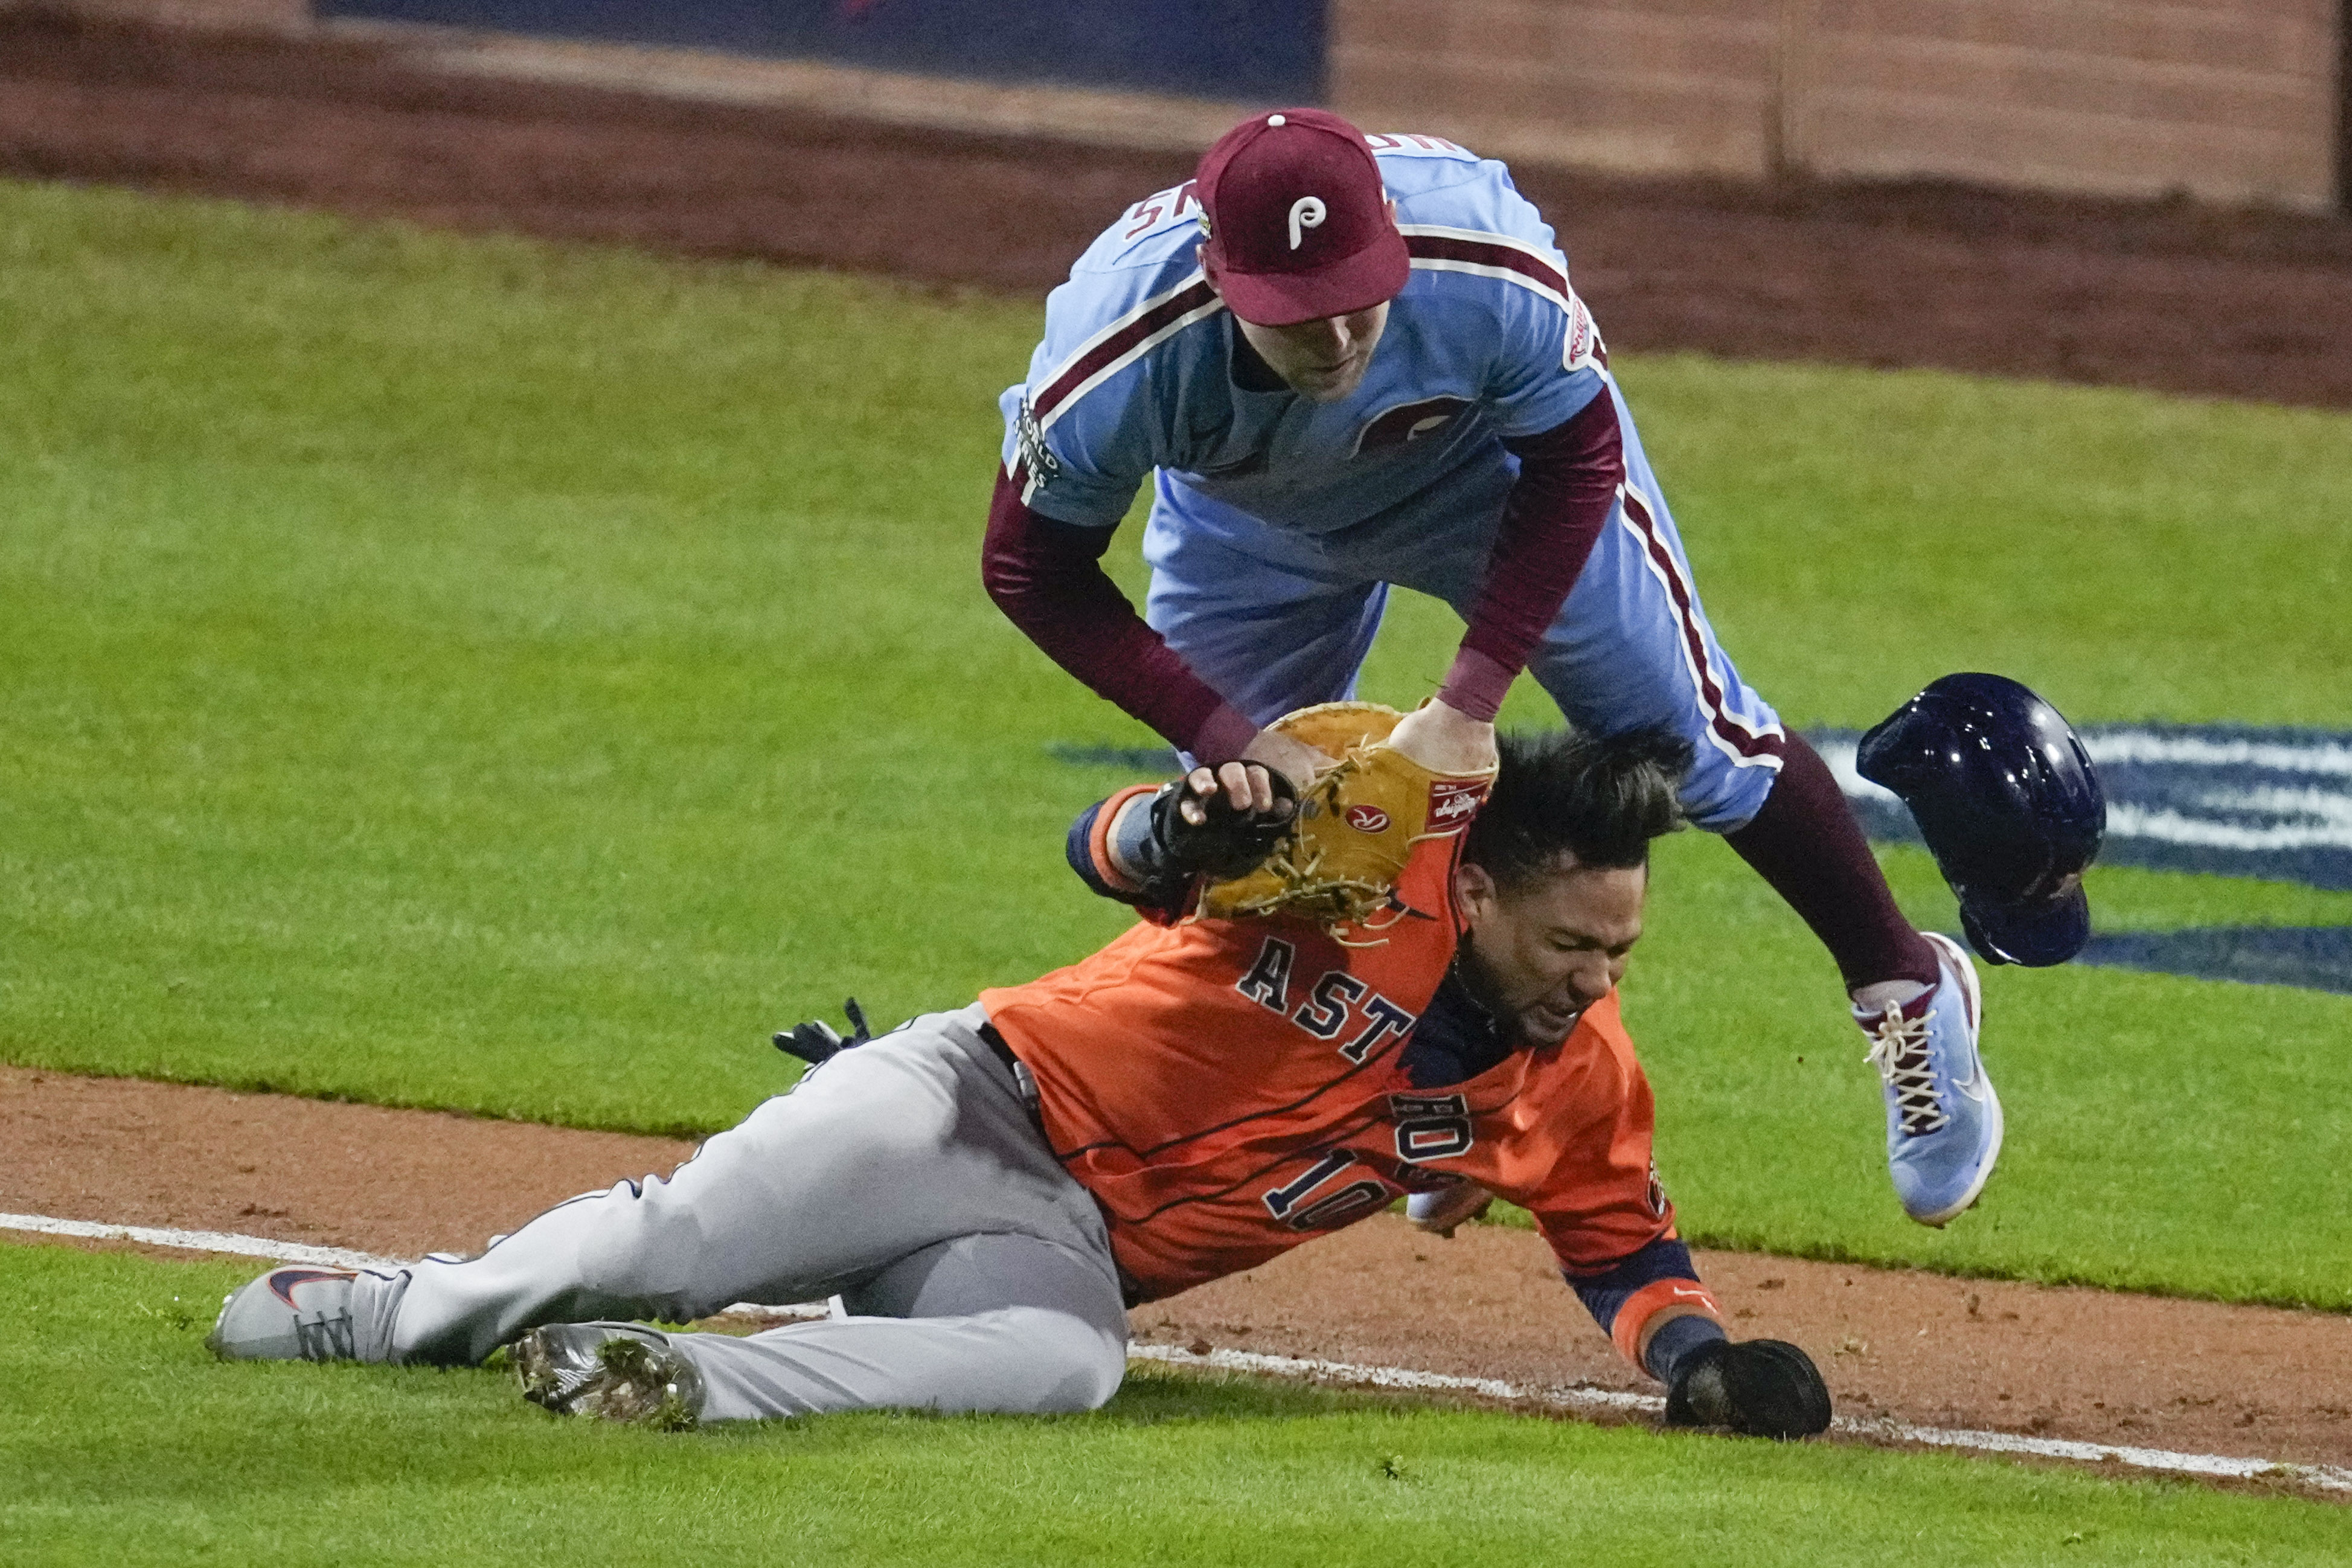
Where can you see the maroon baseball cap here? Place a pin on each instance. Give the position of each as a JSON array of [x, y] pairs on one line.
[[1297, 220]]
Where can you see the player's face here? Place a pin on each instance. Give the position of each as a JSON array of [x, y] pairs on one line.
[[1543, 952], [1322, 360]]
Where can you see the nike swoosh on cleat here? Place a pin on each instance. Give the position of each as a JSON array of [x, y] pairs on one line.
[[1973, 1084], [283, 1282]]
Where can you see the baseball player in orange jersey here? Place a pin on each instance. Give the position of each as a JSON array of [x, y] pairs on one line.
[[987, 1189]]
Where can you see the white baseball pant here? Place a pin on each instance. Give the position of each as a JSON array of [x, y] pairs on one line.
[[907, 1176]]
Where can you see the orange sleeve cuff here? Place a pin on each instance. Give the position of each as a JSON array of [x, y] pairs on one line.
[[1652, 1306]]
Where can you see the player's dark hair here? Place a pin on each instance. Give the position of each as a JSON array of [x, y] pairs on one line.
[[1601, 800]]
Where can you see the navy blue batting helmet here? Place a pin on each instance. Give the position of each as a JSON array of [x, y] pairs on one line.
[[2010, 804]]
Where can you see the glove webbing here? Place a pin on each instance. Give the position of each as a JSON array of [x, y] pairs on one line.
[[1331, 902]]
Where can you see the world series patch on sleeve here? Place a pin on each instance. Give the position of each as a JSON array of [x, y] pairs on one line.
[[1355, 826]]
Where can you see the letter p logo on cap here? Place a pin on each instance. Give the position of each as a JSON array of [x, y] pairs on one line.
[[1307, 212]]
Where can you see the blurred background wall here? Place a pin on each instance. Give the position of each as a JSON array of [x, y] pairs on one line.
[[2226, 100], [2233, 101], [1254, 50]]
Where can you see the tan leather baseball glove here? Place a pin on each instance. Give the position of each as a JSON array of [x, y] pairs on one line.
[[1355, 826]]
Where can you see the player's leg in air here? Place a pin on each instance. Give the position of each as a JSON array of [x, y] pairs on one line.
[[908, 1176], [1631, 646]]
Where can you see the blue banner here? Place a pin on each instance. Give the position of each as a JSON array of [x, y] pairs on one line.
[[2224, 800], [1253, 51]]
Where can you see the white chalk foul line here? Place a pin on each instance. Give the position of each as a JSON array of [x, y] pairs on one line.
[[262, 1247], [1399, 1377], [2324, 1477], [200, 1241], [2329, 1478]]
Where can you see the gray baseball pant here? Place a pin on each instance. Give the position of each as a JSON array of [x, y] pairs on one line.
[[906, 1175]]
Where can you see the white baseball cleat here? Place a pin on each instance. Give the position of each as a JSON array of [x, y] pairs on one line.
[[614, 1372], [288, 1315], [1943, 1119], [297, 1313]]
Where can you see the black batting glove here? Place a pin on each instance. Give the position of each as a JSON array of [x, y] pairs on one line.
[[1227, 841], [817, 1042], [1756, 1387]]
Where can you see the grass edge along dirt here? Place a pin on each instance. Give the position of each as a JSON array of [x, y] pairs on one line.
[[514, 677], [129, 1444]]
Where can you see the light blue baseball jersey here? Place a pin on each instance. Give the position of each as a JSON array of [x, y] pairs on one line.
[[1486, 341]]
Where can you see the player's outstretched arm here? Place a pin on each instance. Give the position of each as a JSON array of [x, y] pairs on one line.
[[1558, 507], [1567, 486], [1668, 1323], [1047, 577]]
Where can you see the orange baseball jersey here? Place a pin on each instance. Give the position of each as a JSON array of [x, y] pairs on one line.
[[1229, 1089]]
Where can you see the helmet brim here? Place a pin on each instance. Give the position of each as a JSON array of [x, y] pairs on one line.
[[2033, 935]]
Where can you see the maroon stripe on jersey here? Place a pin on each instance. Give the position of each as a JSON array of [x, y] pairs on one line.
[[1741, 738], [1123, 342], [1441, 247]]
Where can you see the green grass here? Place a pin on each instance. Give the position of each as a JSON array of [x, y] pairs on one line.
[[2132, 556], [126, 1443], [481, 673]]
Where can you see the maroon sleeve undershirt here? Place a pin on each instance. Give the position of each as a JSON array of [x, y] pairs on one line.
[[1567, 486], [1047, 577]]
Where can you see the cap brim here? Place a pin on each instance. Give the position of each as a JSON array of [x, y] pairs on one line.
[[1377, 272], [2033, 935]]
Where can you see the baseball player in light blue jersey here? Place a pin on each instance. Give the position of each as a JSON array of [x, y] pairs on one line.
[[1347, 363]]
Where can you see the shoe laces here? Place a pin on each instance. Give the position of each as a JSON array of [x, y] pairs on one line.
[[327, 1337], [1898, 1048]]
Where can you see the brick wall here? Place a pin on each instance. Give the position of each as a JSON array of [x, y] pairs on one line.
[[221, 16], [2227, 100], [1654, 86]]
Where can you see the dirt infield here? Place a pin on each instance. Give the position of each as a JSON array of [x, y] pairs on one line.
[[2175, 296], [2086, 1364]]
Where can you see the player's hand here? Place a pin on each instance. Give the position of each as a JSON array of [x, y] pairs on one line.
[[1444, 740], [1219, 822], [1295, 759], [1757, 1387], [1246, 788]]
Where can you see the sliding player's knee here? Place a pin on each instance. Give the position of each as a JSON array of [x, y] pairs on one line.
[[1075, 1365]]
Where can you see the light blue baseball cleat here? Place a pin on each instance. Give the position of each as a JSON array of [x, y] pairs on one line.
[[1943, 1119]]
